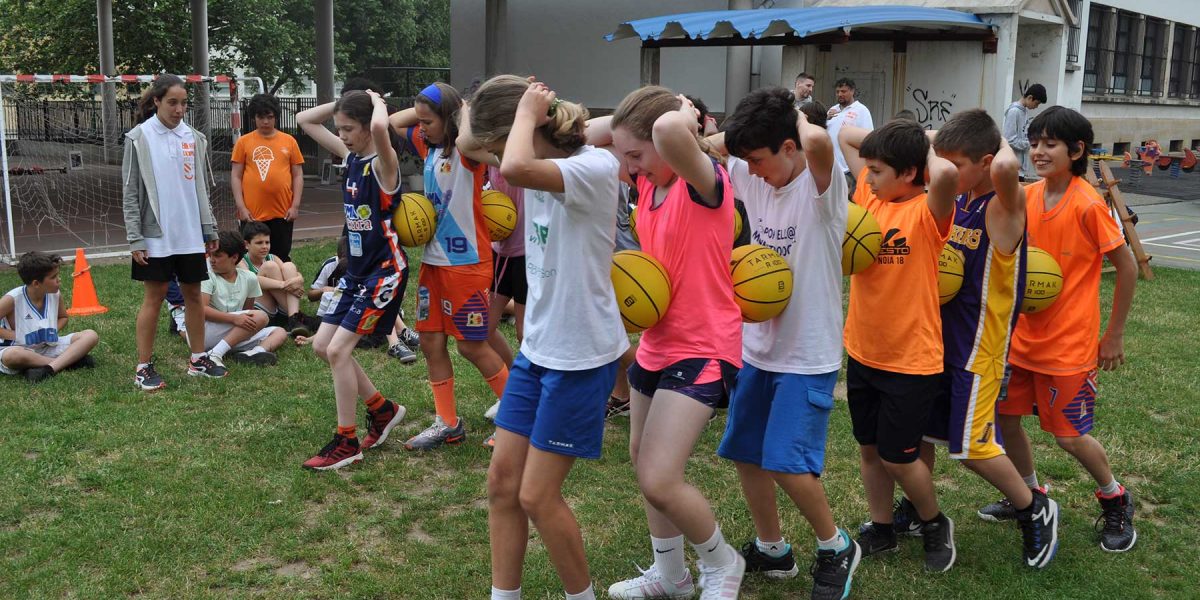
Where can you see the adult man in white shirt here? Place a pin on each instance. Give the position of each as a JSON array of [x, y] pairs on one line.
[[847, 111]]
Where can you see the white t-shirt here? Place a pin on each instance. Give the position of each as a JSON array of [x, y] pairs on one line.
[[230, 296], [806, 229], [571, 317], [324, 279], [173, 158], [856, 115]]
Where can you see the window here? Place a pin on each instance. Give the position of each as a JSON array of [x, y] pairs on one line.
[[1073, 32], [1093, 56], [1123, 54], [1176, 146], [1175, 84], [1153, 61], [1194, 92], [1120, 148]]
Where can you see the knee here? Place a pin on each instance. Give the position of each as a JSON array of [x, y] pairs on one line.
[[260, 318], [656, 486], [431, 346], [321, 349], [88, 337], [1070, 444], [503, 485], [535, 501], [472, 351], [270, 269]]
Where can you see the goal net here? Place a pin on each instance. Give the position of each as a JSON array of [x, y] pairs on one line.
[[61, 177]]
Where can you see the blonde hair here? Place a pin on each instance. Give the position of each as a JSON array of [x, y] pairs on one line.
[[643, 106], [494, 107]]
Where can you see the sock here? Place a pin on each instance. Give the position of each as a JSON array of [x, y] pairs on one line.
[[772, 549], [587, 594], [375, 402], [443, 401], [935, 519], [715, 553], [220, 349], [143, 366], [348, 431], [499, 594], [1112, 489], [255, 350], [837, 543], [498, 381], [1032, 481], [669, 558], [198, 355]]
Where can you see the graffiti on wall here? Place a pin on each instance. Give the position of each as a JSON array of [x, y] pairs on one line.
[[931, 109]]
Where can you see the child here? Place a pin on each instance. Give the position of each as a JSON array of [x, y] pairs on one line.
[[553, 408], [281, 283], [508, 282], [894, 330], [368, 296], [168, 221], [618, 400], [231, 321], [783, 169], [989, 232], [1055, 352], [268, 175], [30, 322], [683, 372], [456, 265]]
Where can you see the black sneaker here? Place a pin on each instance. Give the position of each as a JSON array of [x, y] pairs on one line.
[[38, 374], [207, 366], [147, 379], [757, 561], [87, 362], [403, 353], [1117, 533], [617, 407], [262, 359], [278, 319], [833, 571], [1039, 530], [905, 519], [1003, 510], [873, 539], [410, 339], [938, 536], [296, 326]]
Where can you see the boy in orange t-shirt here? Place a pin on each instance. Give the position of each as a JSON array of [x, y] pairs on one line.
[[1054, 353], [268, 175], [894, 327]]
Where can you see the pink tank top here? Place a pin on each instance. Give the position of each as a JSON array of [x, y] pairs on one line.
[[693, 242], [513, 245]]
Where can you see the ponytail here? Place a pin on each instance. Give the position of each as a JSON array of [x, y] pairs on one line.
[[494, 108]]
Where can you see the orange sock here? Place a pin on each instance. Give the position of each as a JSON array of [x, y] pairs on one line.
[[347, 431], [443, 401], [498, 381], [375, 402]]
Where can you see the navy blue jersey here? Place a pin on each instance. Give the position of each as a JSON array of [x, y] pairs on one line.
[[373, 244]]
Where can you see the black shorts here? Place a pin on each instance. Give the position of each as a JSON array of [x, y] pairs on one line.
[[890, 410], [188, 268], [508, 277], [681, 377]]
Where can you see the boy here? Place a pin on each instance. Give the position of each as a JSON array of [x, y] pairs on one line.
[[30, 322], [989, 232], [230, 320], [894, 331], [268, 175], [279, 279], [1055, 352], [1016, 125], [782, 167]]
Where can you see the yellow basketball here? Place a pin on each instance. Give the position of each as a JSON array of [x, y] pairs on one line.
[[861, 244], [414, 220], [633, 224], [762, 282], [500, 214], [1043, 280], [737, 225], [643, 289], [950, 272]]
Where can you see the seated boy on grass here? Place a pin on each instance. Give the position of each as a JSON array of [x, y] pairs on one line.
[[30, 320], [281, 282], [230, 320]]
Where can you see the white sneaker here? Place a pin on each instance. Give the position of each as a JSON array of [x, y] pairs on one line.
[[723, 583], [490, 414], [651, 584]]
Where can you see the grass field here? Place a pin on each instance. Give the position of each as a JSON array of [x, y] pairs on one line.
[[197, 491]]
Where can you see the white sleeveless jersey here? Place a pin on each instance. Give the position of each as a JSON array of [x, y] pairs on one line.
[[32, 327]]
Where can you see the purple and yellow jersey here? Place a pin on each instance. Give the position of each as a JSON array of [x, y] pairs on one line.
[[978, 322], [373, 244]]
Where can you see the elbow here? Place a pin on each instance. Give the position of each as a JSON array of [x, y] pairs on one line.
[[515, 171]]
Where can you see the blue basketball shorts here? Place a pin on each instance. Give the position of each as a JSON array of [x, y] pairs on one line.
[[559, 411], [779, 421], [368, 304]]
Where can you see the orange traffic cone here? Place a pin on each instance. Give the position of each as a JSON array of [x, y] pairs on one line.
[[83, 297]]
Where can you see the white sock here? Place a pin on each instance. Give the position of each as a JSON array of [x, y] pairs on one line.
[[1031, 481], [198, 355], [220, 349], [499, 594], [669, 558], [772, 549], [255, 350], [142, 366], [715, 553], [587, 594], [1112, 489], [837, 543]]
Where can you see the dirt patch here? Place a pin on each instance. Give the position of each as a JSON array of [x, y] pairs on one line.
[[31, 455], [298, 569], [249, 564], [419, 535]]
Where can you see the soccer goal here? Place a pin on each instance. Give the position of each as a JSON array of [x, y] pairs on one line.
[[61, 173]]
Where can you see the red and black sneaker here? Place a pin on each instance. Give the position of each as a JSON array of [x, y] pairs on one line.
[[380, 423], [340, 452]]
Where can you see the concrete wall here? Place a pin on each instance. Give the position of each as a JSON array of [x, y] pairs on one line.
[[943, 78], [1039, 60], [1116, 123]]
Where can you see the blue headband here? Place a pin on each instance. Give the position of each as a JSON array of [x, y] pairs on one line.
[[433, 93]]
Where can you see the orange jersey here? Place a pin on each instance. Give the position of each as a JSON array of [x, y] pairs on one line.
[[267, 177], [895, 322], [1064, 339]]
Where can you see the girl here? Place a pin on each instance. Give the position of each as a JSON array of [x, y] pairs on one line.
[[682, 372], [553, 409], [168, 221], [456, 265], [368, 296]]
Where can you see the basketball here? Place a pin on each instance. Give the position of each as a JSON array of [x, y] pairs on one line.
[[950, 273], [762, 282], [1043, 280], [414, 220], [633, 224], [737, 225], [861, 244], [642, 287], [500, 214]]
